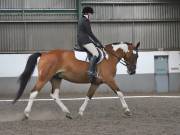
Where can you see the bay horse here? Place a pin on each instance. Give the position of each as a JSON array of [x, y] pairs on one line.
[[59, 64]]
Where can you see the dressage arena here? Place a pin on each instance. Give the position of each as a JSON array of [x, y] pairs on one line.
[[150, 115], [144, 30]]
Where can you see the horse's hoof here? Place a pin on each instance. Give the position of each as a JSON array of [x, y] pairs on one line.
[[25, 118], [128, 113], [78, 116], [68, 115], [80, 113]]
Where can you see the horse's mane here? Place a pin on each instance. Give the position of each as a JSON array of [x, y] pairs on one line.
[[116, 43]]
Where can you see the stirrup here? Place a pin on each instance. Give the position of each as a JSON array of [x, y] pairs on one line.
[[92, 79]]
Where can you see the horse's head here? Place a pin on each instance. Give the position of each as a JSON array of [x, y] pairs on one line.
[[131, 57], [129, 52]]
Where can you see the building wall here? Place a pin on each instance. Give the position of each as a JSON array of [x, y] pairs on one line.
[[12, 66], [30, 25]]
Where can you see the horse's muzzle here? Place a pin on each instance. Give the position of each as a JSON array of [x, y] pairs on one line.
[[132, 73], [132, 70]]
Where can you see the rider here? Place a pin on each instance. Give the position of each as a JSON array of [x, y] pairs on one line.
[[87, 40]]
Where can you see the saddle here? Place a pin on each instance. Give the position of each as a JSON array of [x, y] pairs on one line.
[[82, 55]]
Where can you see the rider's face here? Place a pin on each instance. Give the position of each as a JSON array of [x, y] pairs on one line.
[[89, 15]]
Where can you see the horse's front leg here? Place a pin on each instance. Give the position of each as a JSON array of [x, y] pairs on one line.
[[89, 95], [112, 84]]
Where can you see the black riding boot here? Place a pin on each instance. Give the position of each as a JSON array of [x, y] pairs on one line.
[[92, 68]]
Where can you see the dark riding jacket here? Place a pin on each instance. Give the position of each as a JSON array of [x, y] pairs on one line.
[[85, 34]]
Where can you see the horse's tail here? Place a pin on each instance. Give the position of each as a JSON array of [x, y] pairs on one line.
[[26, 75]]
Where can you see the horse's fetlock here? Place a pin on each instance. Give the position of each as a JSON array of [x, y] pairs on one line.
[[26, 113], [53, 97]]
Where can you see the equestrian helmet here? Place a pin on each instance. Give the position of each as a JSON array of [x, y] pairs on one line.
[[87, 10]]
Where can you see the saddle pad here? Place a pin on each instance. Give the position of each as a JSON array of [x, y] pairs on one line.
[[83, 56]]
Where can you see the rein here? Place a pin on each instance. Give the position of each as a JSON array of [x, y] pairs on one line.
[[123, 62]]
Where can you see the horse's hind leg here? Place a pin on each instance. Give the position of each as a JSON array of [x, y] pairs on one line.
[[116, 89], [89, 95], [33, 95], [55, 95]]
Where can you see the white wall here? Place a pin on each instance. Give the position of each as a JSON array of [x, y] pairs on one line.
[[145, 63], [12, 65]]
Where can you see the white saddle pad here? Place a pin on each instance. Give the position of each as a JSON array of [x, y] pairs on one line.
[[82, 56]]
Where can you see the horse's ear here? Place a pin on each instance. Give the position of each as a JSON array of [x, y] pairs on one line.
[[138, 44]]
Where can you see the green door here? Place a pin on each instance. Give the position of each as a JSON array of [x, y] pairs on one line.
[[161, 73]]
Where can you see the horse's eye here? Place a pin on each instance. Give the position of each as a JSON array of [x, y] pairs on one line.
[[136, 55]]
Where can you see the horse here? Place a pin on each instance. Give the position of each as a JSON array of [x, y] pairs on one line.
[[59, 64]]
